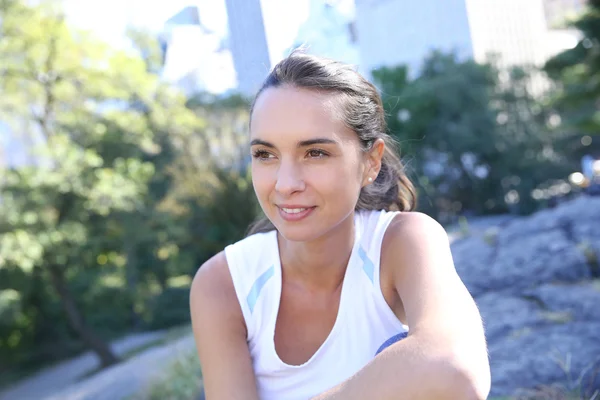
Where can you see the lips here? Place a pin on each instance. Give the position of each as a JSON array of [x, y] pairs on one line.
[[294, 212]]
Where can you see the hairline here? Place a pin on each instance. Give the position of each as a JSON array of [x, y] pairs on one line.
[[335, 103]]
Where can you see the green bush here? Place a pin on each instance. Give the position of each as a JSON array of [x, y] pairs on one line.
[[170, 308], [182, 381]]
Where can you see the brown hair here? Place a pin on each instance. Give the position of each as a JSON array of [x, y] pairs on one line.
[[362, 111]]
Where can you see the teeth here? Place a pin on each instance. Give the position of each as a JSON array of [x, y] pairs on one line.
[[293, 210]]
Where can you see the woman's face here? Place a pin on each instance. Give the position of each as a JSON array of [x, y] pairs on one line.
[[307, 166]]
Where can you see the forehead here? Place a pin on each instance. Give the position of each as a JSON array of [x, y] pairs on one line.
[[288, 112]]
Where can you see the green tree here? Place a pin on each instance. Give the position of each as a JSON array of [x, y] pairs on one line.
[[532, 154], [576, 73], [108, 127], [474, 143], [220, 214], [444, 126]]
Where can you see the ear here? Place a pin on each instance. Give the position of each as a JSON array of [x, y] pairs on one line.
[[373, 160]]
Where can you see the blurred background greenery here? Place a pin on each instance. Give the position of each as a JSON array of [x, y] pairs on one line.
[[135, 185]]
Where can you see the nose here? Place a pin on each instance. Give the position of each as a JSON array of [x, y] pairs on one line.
[[289, 179]]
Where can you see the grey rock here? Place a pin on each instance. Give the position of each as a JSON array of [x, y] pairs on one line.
[[515, 265], [582, 209], [577, 212], [587, 231], [567, 354], [472, 256], [587, 236], [503, 314], [536, 282], [535, 259], [581, 301]]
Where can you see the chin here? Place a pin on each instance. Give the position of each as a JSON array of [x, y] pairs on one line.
[[299, 232], [307, 230]]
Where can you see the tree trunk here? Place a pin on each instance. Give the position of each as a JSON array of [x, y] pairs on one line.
[[77, 322], [131, 277]]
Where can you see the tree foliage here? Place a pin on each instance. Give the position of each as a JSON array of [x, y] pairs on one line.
[[577, 74], [474, 143], [101, 231]]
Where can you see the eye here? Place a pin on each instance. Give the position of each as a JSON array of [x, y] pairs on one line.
[[316, 153], [262, 155]]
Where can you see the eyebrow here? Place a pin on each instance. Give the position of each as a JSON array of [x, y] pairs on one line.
[[303, 143]]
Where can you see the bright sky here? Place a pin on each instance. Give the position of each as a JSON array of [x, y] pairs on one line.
[[282, 20], [110, 17]]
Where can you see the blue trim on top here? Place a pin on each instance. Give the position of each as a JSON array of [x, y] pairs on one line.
[[368, 265], [259, 283], [391, 341]]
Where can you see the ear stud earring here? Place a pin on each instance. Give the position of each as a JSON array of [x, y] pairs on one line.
[[370, 179]]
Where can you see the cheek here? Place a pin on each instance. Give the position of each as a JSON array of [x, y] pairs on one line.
[[337, 178], [262, 182]]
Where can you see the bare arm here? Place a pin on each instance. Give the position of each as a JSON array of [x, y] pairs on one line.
[[445, 354], [220, 334]]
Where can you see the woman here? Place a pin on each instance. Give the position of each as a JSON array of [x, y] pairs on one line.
[[313, 304]]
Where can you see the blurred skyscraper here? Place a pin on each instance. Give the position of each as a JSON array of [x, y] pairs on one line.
[[393, 32], [194, 55], [515, 30], [188, 16], [248, 44], [329, 32]]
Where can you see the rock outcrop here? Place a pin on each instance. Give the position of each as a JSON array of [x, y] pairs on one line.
[[536, 281]]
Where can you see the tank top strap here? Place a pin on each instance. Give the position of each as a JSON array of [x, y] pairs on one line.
[[252, 264], [373, 225]]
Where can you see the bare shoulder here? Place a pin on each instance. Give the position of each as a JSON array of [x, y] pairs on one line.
[[409, 229], [212, 278], [417, 259], [213, 293], [417, 255], [213, 272], [220, 333]]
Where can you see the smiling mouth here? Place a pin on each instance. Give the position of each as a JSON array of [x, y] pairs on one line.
[[294, 210], [295, 213]]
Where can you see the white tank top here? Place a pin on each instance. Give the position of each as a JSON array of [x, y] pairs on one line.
[[364, 321]]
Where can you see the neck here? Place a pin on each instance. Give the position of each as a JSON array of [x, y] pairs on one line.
[[320, 264]]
